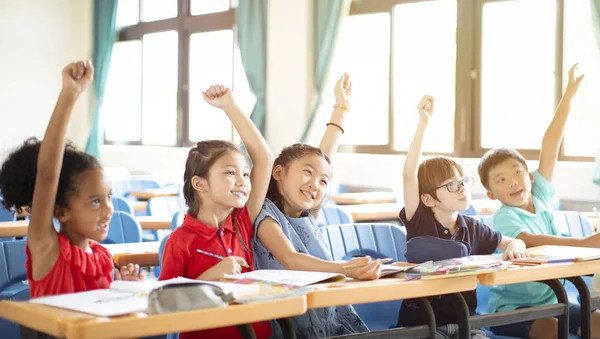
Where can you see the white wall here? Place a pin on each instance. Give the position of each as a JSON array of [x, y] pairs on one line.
[[37, 39]]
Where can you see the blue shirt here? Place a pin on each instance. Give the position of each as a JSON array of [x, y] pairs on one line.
[[480, 239], [512, 221], [306, 237]]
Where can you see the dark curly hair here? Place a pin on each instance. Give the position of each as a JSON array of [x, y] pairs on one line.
[[18, 174], [286, 157]]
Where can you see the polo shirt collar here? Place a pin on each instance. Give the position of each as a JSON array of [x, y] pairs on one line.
[[205, 230]]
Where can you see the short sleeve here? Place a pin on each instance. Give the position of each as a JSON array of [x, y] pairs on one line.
[[542, 189], [421, 224], [508, 223], [487, 239], [174, 257], [269, 210]]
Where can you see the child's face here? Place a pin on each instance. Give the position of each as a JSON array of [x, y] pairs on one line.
[[510, 182], [228, 183], [90, 208], [450, 201], [303, 182]]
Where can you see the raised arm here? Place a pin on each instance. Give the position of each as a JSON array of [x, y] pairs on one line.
[[273, 238], [554, 133], [262, 158], [335, 128], [413, 157], [41, 236]]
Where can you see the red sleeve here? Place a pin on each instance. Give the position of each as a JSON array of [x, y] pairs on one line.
[[174, 259]]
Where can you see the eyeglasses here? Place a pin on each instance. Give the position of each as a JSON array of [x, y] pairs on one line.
[[454, 186]]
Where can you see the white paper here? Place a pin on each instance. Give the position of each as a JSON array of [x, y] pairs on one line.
[[295, 278]]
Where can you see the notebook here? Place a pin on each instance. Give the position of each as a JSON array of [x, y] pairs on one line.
[[294, 278], [125, 297], [476, 264], [549, 254]]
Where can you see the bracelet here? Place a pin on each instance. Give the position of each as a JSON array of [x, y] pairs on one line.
[[336, 125], [344, 107]]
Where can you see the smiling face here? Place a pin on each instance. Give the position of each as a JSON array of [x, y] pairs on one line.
[[510, 182], [89, 209], [228, 182], [303, 183]]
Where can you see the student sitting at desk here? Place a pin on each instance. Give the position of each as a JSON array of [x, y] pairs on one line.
[[217, 230], [434, 192], [60, 181], [526, 214]]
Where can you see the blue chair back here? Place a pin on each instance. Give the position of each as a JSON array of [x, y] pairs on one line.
[[12, 263], [470, 211], [377, 241], [122, 205], [5, 215], [161, 250], [123, 228], [333, 215], [177, 219], [165, 206], [572, 224]]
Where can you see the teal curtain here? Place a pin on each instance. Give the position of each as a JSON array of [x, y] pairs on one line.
[[105, 14], [327, 17], [251, 17], [595, 10]]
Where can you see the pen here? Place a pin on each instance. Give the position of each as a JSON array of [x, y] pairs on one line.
[[220, 257], [383, 261]]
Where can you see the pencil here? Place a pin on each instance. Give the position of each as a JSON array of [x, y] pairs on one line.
[[220, 257], [383, 261]]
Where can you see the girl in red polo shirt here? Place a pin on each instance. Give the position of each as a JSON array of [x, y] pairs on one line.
[[59, 181], [221, 208]]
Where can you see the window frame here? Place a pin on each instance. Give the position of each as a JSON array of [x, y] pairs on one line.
[[467, 121], [185, 24]]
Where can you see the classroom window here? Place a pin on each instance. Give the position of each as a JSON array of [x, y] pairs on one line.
[[167, 53], [495, 84]]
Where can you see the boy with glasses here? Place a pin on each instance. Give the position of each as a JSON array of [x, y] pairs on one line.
[[434, 192]]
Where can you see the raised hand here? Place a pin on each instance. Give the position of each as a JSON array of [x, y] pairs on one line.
[[343, 90], [219, 96], [426, 107], [77, 76], [574, 81]]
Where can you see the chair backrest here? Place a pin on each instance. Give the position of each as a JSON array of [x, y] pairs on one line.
[[469, 211], [123, 228], [161, 250], [333, 215], [5, 215], [177, 219], [572, 224], [165, 206], [376, 240], [12, 262], [122, 205]]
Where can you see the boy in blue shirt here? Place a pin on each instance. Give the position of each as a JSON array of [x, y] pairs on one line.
[[434, 192], [526, 214]]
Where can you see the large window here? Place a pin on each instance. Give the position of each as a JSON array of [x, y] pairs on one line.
[[168, 52], [497, 69]]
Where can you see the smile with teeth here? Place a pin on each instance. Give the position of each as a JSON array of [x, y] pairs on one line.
[[240, 194], [517, 193], [308, 195]]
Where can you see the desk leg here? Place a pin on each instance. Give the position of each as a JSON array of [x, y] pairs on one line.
[[426, 307], [287, 328], [561, 295], [246, 331], [586, 306], [462, 310]]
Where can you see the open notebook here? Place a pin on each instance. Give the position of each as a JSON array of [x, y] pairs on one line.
[[125, 297], [558, 254], [471, 265]]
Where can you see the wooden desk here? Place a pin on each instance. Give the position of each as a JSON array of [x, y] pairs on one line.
[[363, 198], [144, 254], [386, 289], [538, 273], [373, 212], [139, 206], [69, 324], [10, 229], [153, 193], [18, 228], [592, 218]]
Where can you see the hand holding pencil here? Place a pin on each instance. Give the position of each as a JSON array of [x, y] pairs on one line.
[[363, 268], [227, 265]]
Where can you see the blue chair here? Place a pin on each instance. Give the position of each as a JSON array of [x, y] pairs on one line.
[[122, 205], [378, 241], [12, 275], [123, 228], [470, 211], [177, 219], [333, 215], [6, 215], [161, 249]]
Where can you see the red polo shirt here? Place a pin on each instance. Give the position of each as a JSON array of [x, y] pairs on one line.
[[180, 259]]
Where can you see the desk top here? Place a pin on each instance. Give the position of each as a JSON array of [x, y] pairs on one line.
[[373, 212], [386, 289], [61, 323], [363, 198], [153, 193], [537, 273]]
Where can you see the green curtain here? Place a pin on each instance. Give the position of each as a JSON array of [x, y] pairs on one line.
[[595, 10], [327, 17], [251, 17], [105, 14]]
